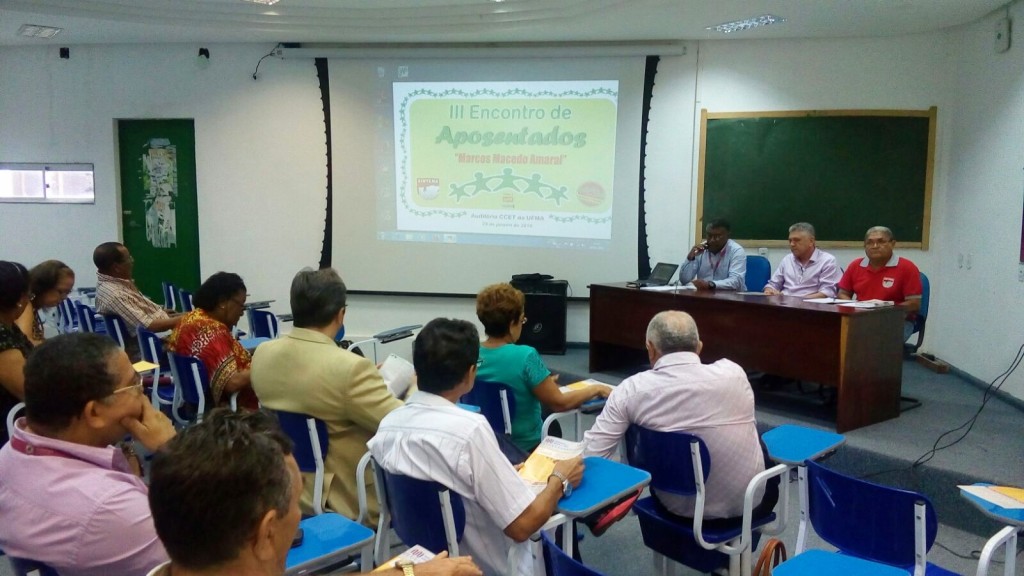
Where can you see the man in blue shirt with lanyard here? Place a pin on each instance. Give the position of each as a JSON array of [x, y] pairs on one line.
[[717, 263]]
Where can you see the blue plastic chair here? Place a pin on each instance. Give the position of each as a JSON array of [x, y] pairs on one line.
[[561, 564], [116, 328], [149, 349], [170, 295], [922, 316], [185, 299], [497, 403], [262, 324], [421, 512], [25, 567], [310, 437], [679, 463], [877, 529], [759, 271], [67, 318], [193, 384], [329, 539], [87, 321]]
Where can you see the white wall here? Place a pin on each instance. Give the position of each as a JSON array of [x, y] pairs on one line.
[[261, 166], [977, 322], [260, 147]]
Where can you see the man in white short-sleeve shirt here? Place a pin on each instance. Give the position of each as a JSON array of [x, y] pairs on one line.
[[430, 438]]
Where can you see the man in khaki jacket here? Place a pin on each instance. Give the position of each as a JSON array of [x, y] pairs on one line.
[[306, 372]]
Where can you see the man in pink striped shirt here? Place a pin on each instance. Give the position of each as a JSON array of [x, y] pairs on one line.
[[68, 496]]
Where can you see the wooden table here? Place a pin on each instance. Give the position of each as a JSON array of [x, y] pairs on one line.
[[858, 351]]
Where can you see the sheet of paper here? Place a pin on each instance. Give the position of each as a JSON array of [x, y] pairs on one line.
[[417, 555], [822, 300], [144, 366], [989, 495], [541, 463], [398, 373], [748, 293], [669, 288], [866, 303], [579, 385]]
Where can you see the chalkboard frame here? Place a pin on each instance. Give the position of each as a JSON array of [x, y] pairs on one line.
[[779, 242]]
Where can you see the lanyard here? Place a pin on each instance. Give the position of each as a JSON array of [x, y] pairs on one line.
[[714, 265]]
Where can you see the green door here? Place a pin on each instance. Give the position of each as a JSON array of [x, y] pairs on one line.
[[159, 213]]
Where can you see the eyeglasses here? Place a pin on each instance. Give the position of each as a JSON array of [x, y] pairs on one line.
[[872, 243], [31, 295], [240, 304], [136, 387]]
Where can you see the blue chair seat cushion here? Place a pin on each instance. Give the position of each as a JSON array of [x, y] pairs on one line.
[[817, 562], [672, 536]]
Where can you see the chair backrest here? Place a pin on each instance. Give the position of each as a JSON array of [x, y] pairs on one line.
[[865, 519], [926, 289], [262, 324], [422, 512], [561, 564], [496, 401], [66, 316], [185, 299], [310, 437], [759, 271], [191, 378], [12, 416], [25, 567], [170, 295], [86, 317], [116, 328], [149, 350], [647, 449]]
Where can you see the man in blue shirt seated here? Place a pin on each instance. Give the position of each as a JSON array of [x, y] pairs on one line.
[[717, 263]]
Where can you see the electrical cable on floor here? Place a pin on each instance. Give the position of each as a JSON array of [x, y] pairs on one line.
[[969, 424]]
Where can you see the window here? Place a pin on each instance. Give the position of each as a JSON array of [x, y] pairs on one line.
[[67, 183]]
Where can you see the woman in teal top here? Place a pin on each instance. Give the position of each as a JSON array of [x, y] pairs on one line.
[[500, 308]]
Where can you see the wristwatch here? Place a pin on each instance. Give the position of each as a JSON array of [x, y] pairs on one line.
[[566, 487], [711, 285], [406, 567]]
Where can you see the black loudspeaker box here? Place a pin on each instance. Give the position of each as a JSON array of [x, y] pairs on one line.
[[545, 323]]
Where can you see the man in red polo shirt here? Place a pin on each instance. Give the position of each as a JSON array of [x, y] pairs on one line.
[[883, 276]]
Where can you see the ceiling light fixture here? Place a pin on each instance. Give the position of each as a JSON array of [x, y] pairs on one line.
[[38, 31], [740, 25], [264, 2]]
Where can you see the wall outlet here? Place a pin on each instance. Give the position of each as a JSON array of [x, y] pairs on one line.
[[967, 261], [1020, 273], [763, 252], [960, 260]]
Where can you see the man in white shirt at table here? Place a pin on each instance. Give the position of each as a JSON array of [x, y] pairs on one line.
[[430, 438], [806, 271], [679, 394]]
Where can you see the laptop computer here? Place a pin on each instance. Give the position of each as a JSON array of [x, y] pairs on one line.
[[660, 276]]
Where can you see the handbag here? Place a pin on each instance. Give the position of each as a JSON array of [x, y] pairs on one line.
[[773, 554]]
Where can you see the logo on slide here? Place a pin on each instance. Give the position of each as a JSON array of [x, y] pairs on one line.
[[590, 193], [428, 188]]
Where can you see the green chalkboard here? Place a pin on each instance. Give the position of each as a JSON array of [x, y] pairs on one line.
[[843, 171]]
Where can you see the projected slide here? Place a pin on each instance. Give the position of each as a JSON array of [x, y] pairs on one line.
[[512, 159]]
